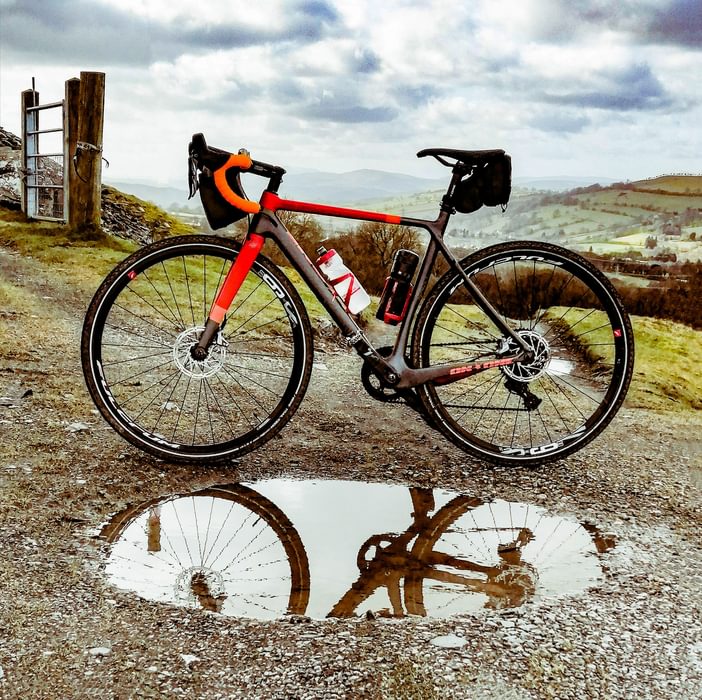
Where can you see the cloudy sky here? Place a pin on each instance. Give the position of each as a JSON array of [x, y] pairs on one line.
[[588, 88]]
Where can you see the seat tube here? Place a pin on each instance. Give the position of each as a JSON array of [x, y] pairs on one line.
[[232, 283]]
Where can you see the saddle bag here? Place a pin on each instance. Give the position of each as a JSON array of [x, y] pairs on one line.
[[489, 184]]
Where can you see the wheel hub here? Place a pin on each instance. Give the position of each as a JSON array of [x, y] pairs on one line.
[[196, 579], [529, 371], [189, 363]]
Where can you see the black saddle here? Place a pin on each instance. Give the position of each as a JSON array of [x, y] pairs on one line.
[[468, 157]]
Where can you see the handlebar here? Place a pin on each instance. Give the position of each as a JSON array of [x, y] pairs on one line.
[[224, 167]]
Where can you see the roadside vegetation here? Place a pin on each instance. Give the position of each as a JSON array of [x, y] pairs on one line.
[[666, 376]]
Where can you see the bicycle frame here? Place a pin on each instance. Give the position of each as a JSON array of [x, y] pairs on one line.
[[393, 369]]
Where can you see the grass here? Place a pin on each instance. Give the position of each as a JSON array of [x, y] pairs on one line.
[[86, 256], [665, 376]]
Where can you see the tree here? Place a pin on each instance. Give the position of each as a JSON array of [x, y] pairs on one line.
[[369, 250], [305, 229]]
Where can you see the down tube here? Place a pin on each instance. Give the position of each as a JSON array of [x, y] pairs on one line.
[[309, 273]]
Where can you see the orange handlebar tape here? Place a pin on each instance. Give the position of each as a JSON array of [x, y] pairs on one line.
[[243, 162]]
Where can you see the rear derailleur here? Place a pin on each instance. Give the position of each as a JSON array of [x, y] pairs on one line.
[[531, 400]]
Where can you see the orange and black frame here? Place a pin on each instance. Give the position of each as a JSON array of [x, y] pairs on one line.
[[393, 370]]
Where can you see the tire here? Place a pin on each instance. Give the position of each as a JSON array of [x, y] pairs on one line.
[[232, 539], [460, 568], [571, 316], [135, 355]]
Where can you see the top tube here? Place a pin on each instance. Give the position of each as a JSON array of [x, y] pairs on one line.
[[270, 200]]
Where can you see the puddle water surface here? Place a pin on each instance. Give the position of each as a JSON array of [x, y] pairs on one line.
[[337, 548]]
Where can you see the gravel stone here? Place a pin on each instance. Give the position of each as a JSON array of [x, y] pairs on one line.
[[636, 635]]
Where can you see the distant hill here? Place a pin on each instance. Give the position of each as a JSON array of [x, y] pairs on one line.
[[658, 216], [315, 186], [164, 197], [673, 184], [354, 186], [560, 184]]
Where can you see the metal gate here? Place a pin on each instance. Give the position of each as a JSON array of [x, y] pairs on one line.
[[44, 191]]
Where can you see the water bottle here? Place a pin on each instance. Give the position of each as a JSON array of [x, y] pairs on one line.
[[343, 280], [398, 288]]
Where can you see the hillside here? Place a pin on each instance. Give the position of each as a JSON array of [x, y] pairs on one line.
[[645, 218]]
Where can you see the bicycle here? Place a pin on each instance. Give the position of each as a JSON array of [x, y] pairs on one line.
[[198, 348], [230, 549]]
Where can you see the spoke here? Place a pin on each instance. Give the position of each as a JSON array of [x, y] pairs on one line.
[[219, 532], [250, 515], [187, 285], [161, 353], [126, 380], [170, 320], [128, 331], [146, 322], [173, 294], [240, 336], [182, 532], [233, 376], [252, 425]]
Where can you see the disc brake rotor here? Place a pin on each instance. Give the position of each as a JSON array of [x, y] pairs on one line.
[[529, 371], [198, 369]]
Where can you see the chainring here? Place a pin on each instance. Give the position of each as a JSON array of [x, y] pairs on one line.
[[373, 384]]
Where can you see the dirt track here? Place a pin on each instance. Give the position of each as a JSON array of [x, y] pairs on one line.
[[65, 632]]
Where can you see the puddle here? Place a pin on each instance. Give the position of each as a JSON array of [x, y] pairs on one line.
[[338, 548]]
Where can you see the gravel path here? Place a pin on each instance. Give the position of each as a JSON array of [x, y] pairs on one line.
[[66, 633]]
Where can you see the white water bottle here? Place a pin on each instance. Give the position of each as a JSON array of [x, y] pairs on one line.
[[343, 280]]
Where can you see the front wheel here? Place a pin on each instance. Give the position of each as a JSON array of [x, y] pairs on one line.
[[569, 315], [137, 337]]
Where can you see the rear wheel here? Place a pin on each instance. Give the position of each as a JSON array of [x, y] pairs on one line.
[[567, 312], [139, 330]]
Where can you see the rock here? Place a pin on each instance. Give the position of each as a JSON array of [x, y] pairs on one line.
[[77, 427], [189, 659], [449, 641], [99, 651]]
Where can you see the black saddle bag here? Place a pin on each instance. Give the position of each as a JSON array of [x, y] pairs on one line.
[[489, 184]]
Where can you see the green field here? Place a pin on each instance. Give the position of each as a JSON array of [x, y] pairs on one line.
[[666, 376], [616, 219]]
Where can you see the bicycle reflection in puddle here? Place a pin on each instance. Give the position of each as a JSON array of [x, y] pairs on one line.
[[238, 550]]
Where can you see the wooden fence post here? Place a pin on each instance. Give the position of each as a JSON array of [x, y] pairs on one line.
[[70, 139], [87, 180]]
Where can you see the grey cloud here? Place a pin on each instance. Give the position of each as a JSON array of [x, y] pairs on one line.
[[559, 121], [414, 95], [346, 112], [365, 61], [632, 88], [317, 10], [675, 22], [83, 30], [75, 29], [679, 23]]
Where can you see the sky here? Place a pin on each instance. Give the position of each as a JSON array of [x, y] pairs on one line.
[[593, 88]]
